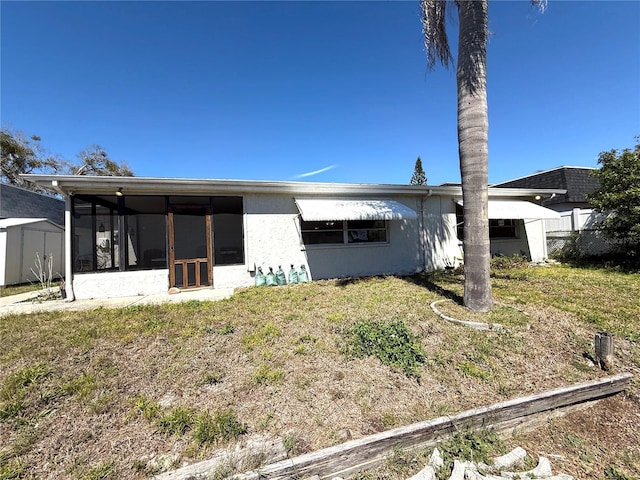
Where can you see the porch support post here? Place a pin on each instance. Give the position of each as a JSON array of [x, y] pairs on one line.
[[123, 235], [68, 250]]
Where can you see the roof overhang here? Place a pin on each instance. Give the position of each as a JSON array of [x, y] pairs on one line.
[[337, 209], [107, 185], [517, 209], [6, 223]]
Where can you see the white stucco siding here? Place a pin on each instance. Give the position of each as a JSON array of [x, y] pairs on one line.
[[442, 247], [537, 239], [514, 246], [272, 235], [232, 276], [400, 255], [272, 231], [120, 284]]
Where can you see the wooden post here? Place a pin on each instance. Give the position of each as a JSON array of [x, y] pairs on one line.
[[604, 350]]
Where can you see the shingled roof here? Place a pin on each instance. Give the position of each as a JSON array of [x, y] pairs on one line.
[[578, 182], [16, 202]]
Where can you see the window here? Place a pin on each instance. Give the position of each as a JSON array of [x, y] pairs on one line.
[[228, 236], [97, 239], [95, 234], [83, 243], [366, 231], [344, 232], [502, 228], [146, 245], [498, 228]]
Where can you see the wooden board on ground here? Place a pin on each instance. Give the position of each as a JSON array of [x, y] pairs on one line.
[[363, 453]]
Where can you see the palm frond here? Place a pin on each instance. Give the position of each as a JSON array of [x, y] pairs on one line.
[[541, 4], [433, 13]]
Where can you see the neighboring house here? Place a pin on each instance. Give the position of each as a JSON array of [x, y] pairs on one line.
[[577, 217], [136, 235], [16, 202], [30, 228]]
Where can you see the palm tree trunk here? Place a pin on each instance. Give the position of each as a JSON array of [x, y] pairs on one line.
[[473, 132]]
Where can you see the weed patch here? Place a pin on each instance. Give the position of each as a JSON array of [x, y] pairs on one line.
[[22, 379], [267, 375], [221, 426], [103, 471], [15, 390], [177, 421], [83, 387], [392, 343], [146, 407], [468, 369], [260, 337], [478, 446]]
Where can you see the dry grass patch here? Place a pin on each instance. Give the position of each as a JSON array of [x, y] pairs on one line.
[[274, 358]]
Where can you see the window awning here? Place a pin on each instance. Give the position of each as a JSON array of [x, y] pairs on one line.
[[517, 209], [329, 209]]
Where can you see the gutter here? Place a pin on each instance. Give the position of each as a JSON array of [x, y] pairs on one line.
[[65, 184]]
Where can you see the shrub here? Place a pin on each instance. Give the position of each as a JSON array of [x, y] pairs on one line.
[[501, 262]]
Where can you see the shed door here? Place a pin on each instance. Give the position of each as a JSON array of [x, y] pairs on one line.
[[46, 244], [190, 246]]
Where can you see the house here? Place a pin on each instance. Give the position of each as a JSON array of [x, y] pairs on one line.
[[30, 228], [136, 235], [577, 216], [16, 202]]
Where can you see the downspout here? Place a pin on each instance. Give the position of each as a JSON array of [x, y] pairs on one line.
[[423, 233], [68, 259]]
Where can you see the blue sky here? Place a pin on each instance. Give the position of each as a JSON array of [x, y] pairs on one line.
[[318, 91]]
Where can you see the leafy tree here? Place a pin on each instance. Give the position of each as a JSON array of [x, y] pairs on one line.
[[95, 161], [618, 197], [418, 177], [473, 128], [19, 154]]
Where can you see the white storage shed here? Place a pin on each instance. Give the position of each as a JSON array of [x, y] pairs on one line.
[[21, 241]]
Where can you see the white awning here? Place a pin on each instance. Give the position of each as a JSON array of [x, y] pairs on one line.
[[517, 209], [329, 209]]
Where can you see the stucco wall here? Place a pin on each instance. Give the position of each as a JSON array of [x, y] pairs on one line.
[[232, 276], [512, 246], [271, 233], [442, 247], [400, 255], [120, 284], [272, 238], [537, 239]]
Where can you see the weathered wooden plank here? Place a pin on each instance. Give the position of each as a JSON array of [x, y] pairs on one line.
[[362, 453]]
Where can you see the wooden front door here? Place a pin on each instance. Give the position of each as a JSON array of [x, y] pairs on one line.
[[190, 246]]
